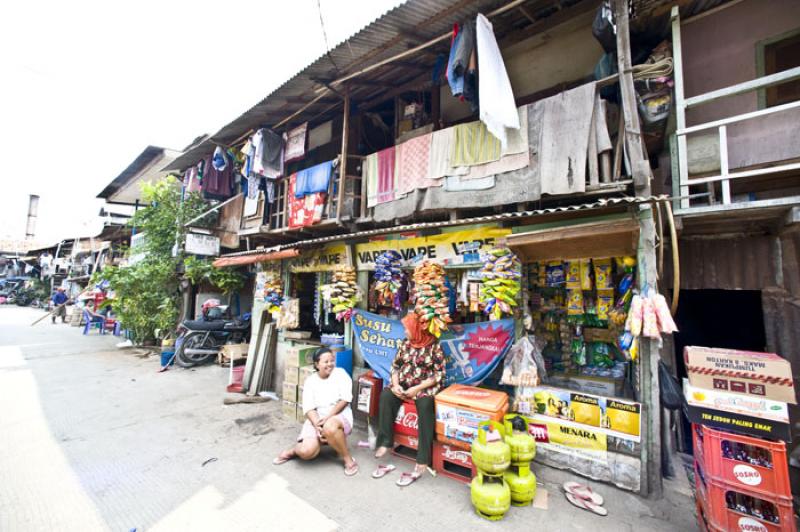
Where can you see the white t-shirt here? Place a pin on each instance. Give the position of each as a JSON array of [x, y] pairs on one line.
[[323, 394]]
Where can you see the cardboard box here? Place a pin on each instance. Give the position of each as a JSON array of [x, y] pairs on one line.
[[299, 355], [299, 395], [289, 392], [299, 414], [306, 372], [735, 403], [232, 352], [291, 376], [289, 409], [764, 375]]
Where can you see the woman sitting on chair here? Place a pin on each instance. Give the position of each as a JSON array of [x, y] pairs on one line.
[[417, 375], [327, 395]]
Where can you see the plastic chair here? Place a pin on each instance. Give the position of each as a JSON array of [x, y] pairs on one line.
[[93, 320]]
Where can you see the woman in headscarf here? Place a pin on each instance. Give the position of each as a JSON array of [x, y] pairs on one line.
[[417, 375]]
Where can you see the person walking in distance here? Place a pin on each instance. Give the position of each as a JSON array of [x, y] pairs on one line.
[[59, 300]]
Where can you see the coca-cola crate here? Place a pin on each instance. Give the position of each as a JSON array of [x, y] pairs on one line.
[[453, 462], [406, 422], [405, 447], [753, 464], [732, 508]]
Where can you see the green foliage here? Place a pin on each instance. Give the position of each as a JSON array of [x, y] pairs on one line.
[[200, 270], [146, 294]]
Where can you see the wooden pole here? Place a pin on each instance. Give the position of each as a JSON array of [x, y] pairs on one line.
[[650, 484], [343, 165]]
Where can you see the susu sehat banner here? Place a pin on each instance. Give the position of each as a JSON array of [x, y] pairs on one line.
[[472, 350]]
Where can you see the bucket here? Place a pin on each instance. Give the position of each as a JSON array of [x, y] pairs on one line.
[[237, 375], [165, 358]]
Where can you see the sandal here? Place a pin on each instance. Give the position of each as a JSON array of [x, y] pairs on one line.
[[351, 470], [406, 479], [582, 491], [383, 470], [282, 458], [586, 504]]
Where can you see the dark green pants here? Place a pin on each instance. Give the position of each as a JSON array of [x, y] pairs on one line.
[[426, 423]]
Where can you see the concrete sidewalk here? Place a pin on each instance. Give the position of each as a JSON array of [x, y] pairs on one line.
[[92, 438]]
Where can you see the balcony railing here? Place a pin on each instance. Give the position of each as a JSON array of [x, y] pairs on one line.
[[692, 200]]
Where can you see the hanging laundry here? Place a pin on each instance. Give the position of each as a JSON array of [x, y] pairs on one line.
[[369, 173], [296, 143], [461, 66], [413, 157], [473, 144], [457, 183], [267, 155], [441, 150], [217, 184], [304, 211], [219, 160], [386, 167], [517, 154], [253, 186], [498, 109], [314, 179]]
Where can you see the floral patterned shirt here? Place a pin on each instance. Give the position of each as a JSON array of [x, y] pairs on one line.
[[414, 365]]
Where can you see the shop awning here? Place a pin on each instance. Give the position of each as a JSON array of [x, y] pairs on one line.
[[597, 239], [224, 262]]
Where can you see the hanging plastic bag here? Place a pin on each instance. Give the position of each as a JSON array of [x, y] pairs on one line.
[[671, 392], [519, 366], [665, 322]]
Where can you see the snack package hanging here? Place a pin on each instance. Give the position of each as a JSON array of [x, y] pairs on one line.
[[500, 274], [574, 302], [343, 293], [389, 279], [431, 297], [273, 293], [586, 274], [554, 274], [573, 269], [649, 319], [605, 299], [634, 322], [602, 274], [290, 314], [665, 322]]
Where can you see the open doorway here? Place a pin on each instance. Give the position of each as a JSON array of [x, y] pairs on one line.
[[731, 319]]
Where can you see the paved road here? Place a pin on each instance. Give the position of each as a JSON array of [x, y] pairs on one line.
[[92, 438]]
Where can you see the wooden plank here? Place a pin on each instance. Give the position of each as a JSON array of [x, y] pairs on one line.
[[255, 342], [343, 167], [258, 368], [603, 239]]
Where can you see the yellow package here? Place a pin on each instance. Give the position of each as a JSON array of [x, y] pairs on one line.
[[623, 417], [586, 274], [573, 269], [542, 274], [605, 300], [585, 410], [574, 302], [602, 274]]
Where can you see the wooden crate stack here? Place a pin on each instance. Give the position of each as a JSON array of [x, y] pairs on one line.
[[297, 368]]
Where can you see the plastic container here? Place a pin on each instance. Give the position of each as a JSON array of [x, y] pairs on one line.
[[753, 464], [731, 508], [237, 375], [344, 360], [460, 409], [453, 462]]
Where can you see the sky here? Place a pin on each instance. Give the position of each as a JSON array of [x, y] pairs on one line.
[[87, 85]]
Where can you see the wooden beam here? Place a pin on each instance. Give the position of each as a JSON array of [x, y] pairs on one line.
[[343, 162], [546, 23]]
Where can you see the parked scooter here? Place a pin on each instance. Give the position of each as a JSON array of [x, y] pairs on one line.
[[200, 341]]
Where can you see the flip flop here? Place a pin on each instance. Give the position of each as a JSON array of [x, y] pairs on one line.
[[352, 470], [383, 470], [586, 505], [584, 492], [406, 479], [281, 459]]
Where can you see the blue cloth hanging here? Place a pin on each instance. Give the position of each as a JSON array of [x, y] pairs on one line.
[[313, 180]]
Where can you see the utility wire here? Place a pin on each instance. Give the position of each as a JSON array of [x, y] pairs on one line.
[[325, 37]]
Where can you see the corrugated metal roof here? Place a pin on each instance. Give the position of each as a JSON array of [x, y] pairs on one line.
[[201, 147], [142, 161], [599, 204]]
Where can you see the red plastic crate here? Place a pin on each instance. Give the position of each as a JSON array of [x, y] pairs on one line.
[[731, 508], [753, 464], [453, 462], [407, 420], [405, 447]]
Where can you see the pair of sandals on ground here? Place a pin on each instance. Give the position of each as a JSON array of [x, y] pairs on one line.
[[406, 478], [584, 498]]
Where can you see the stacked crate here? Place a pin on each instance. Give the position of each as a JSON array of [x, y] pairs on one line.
[[296, 370]]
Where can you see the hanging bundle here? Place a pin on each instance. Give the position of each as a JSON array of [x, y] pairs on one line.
[[343, 293], [389, 278], [649, 316], [273, 294], [500, 273], [432, 302]]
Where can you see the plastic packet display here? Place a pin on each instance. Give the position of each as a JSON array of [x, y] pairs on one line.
[[602, 274], [586, 274], [573, 272], [574, 302], [555, 274], [605, 299]]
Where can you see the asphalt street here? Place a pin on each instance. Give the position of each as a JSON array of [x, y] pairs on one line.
[[93, 438]]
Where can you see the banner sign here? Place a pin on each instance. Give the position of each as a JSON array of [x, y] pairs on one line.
[[568, 438], [439, 247], [200, 244], [319, 260], [472, 351], [613, 417]]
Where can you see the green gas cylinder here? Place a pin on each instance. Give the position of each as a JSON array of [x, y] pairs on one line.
[[491, 457], [522, 483], [490, 495], [522, 444]]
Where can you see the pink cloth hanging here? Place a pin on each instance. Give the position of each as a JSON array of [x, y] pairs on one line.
[[413, 157], [386, 184]]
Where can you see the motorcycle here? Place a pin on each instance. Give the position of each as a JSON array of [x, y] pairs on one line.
[[200, 341]]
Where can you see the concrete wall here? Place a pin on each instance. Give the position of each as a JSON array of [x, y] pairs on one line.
[[720, 50], [565, 53]]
